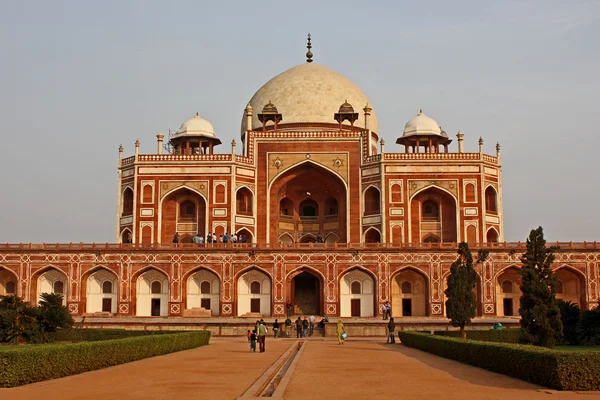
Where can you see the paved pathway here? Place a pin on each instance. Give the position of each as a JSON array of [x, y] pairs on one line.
[[360, 369]]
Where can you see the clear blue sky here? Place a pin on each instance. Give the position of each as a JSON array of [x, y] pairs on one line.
[[78, 78]]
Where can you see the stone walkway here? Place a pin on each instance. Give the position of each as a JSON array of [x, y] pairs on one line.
[[359, 369]]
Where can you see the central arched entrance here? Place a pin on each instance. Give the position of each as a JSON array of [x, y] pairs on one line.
[[306, 293], [307, 201]]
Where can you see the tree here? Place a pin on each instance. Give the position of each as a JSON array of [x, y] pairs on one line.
[[18, 321], [461, 305], [53, 315], [588, 327], [540, 315]]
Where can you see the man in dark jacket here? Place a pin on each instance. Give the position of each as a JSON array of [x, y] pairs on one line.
[[299, 328], [391, 330]]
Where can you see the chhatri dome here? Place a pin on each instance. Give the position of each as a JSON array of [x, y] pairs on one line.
[[309, 92], [196, 126], [422, 125]]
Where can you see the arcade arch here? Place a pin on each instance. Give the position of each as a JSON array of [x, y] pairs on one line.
[[8, 282], [571, 286], [254, 293], [152, 294], [410, 294], [243, 201], [203, 288], [51, 281], [101, 292], [491, 201], [306, 288], [357, 294], [127, 202], [508, 292]]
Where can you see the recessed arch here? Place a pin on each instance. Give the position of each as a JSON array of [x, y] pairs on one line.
[[202, 290], [93, 290], [363, 303], [574, 285], [126, 236], [148, 303], [127, 202], [492, 235], [306, 288], [6, 277], [372, 235], [508, 293], [244, 200], [447, 223], [307, 238], [253, 304], [415, 303], [372, 200], [491, 199], [44, 280], [286, 238], [169, 209]]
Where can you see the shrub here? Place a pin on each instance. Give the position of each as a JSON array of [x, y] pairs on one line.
[[18, 321], [569, 314], [28, 364], [588, 328], [503, 336], [561, 370], [96, 334], [53, 315]]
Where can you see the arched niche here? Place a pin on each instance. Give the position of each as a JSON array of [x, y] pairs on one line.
[[249, 303], [183, 211], [152, 294], [52, 281], [410, 294], [101, 292], [433, 212], [203, 288], [357, 294], [508, 292]]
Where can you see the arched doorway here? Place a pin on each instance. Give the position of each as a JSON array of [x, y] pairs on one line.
[[372, 235], [101, 292], [410, 294], [51, 281], [508, 293], [182, 211], [152, 294], [433, 216], [492, 236], [254, 293], [203, 291], [307, 199], [306, 291], [357, 293]]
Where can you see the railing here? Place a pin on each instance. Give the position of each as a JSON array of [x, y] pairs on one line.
[[439, 156], [506, 246], [184, 157], [127, 161]]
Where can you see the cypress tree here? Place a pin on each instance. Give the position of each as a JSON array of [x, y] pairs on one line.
[[540, 314], [461, 305]]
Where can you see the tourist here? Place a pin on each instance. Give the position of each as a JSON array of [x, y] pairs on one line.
[[196, 239], [305, 327], [253, 341], [341, 332], [386, 308], [242, 238], [311, 321], [288, 326], [234, 238], [249, 334], [176, 239], [391, 330], [262, 335], [226, 238], [299, 327], [289, 309], [275, 329], [221, 239], [214, 237]]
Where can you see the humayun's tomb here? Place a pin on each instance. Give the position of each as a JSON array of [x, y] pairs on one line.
[[328, 216]]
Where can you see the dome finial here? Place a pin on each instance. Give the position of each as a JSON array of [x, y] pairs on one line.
[[421, 111], [309, 54]]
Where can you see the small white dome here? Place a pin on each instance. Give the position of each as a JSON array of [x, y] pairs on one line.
[[422, 125], [196, 126]]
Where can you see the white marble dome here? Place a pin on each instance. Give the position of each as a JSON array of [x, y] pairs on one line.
[[196, 126], [310, 92], [422, 125]]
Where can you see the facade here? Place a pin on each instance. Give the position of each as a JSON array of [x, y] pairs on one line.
[[326, 217]]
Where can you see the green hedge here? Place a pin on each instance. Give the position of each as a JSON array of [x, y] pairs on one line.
[[561, 370], [95, 334], [34, 363], [503, 336]]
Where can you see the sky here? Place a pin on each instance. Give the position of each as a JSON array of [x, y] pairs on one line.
[[79, 78]]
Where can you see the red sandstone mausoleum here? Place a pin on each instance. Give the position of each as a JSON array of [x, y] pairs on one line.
[[335, 221]]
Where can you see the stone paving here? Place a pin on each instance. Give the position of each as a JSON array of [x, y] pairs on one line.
[[359, 369]]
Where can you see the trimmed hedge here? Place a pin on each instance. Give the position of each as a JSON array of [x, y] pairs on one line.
[[39, 363], [503, 336], [561, 370], [96, 334]]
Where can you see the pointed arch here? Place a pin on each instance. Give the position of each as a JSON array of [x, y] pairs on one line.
[[491, 199], [127, 202], [372, 200], [249, 303], [244, 200], [448, 225], [574, 284], [415, 303], [44, 280], [286, 238], [508, 302], [372, 235], [93, 293], [492, 235], [306, 288], [144, 301], [195, 294], [202, 221], [353, 304], [9, 281], [126, 236]]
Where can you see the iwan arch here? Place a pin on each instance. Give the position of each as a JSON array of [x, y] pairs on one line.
[[334, 219]]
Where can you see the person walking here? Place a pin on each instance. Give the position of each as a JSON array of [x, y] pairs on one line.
[[288, 326], [299, 327], [275, 329], [262, 335], [305, 327], [391, 339], [341, 332]]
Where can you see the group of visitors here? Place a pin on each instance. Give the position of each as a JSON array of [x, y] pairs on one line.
[[258, 334], [212, 238], [305, 327]]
